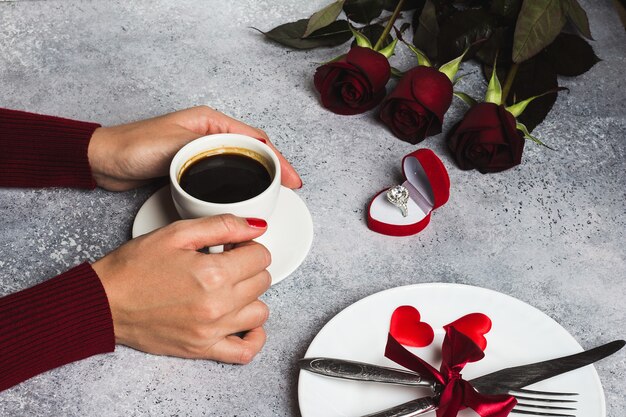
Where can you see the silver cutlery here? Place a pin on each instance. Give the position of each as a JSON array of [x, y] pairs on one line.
[[529, 402], [512, 380], [359, 371], [500, 382], [546, 407]]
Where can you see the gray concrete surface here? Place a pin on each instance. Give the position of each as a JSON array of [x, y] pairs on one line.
[[550, 232]]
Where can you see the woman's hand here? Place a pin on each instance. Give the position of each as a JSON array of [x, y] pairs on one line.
[[127, 156], [169, 299]]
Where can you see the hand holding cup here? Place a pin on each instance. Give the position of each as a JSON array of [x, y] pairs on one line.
[[165, 297]]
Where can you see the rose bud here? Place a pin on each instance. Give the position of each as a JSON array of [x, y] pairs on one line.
[[415, 109], [487, 139], [355, 83]]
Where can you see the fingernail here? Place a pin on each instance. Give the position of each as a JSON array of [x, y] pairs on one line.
[[256, 223], [262, 140], [301, 184]]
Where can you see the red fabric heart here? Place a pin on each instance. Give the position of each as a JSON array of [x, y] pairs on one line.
[[407, 328], [474, 326]]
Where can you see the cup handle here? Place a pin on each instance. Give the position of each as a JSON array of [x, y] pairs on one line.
[[216, 249]]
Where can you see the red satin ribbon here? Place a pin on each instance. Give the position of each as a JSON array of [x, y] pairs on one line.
[[457, 394]]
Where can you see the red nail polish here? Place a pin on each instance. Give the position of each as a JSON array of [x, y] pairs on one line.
[[262, 140], [256, 223]]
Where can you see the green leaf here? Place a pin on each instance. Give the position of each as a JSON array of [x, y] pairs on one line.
[[422, 59], [426, 29], [452, 67], [323, 18], [534, 77], [395, 72], [361, 39], [466, 98], [499, 45], [408, 4], [290, 34], [494, 90], [404, 27], [570, 55], [506, 8], [374, 32], [538, 24], [463, 30], [527, 135], [335, 59], [518, 108], [362, 11], [460, 77], [620, 8], [578, 17], [388, 50]]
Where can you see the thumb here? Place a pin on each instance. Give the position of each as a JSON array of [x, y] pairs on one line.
[[219, 230]]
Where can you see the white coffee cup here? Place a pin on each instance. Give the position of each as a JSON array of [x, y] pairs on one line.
[[260, 206]]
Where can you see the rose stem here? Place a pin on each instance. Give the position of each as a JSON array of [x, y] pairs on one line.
[[510, 76], [390, 23]]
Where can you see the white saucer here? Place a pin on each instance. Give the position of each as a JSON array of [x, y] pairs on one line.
[[288, 237]]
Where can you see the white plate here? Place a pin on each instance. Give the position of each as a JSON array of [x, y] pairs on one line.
[[288, 237], [520, 334]]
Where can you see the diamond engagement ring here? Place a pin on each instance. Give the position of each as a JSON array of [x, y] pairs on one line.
[[399, 197]]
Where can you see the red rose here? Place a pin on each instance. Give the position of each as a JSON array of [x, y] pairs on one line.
[[415, 109], [487, 139], [355, 83]]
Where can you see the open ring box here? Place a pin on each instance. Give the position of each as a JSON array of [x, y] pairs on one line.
[[429, 188]]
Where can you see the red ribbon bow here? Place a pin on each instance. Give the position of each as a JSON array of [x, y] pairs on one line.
[[457, 394]]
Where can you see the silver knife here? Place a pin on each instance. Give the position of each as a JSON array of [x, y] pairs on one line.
[[359, 371], [499, 382]]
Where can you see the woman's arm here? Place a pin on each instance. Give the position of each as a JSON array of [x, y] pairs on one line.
[[44, 151], [59, 321], [155, 293]]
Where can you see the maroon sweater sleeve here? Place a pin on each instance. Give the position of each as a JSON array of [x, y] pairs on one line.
[[44, 151], [67, 318], [59, 321]]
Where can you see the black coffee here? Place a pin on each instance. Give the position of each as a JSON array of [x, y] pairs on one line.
[[225, 178]]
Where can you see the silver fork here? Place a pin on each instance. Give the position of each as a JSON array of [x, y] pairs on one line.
[[529, 402], [543, 403]]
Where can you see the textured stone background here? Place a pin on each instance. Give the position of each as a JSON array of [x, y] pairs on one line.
[[550, 232]]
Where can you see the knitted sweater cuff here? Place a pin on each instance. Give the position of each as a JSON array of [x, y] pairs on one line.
[[44, 151], [59, 321]]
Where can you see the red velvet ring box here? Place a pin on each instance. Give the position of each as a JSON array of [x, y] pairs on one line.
[[429, 188]]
